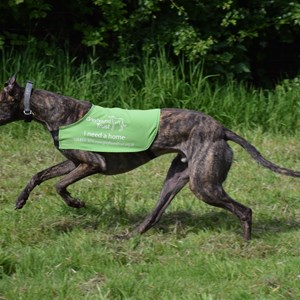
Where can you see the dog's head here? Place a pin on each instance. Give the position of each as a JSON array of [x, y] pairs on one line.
[[11, 101]]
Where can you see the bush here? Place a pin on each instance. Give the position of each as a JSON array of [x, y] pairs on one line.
[[256, 40]]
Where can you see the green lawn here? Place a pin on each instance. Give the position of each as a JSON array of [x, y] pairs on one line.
[[51, 251]]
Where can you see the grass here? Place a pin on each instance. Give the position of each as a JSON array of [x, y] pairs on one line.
[[51, 251], [155, 82]]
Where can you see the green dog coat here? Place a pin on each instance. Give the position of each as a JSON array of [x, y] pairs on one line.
[[111, 130]]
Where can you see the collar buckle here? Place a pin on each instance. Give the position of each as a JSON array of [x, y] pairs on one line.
[[27, 94]]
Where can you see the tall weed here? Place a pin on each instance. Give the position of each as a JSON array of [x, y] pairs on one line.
[[157, 82]]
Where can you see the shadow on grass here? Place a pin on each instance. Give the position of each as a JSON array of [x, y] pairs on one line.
[[180, 222], [217, 221]]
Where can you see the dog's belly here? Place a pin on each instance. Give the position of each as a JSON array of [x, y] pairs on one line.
[[117, 163], [109, 163]]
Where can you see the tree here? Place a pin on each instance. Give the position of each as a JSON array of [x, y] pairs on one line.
[[255, 40]]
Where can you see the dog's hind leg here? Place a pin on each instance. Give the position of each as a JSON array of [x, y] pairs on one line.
[[176, 179], [206, 178], [214, 194], [83, 170], [54, 171]]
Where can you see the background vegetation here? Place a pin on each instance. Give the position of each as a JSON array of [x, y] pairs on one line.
[[254, 40], [157, 82]]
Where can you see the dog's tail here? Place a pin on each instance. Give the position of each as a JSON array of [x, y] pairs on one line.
[[231, 136]]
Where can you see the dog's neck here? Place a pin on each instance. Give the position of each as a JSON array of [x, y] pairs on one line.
[[54, 110]]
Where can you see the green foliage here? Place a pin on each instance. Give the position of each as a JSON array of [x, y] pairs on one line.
[[234, 38], [156, 83], [112, 20], [36, 9]]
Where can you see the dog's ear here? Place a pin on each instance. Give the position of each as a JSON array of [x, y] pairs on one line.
[[10, 84]]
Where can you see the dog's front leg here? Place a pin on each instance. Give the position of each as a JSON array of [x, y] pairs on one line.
[[83, 170], [176, 179], [54, 171]]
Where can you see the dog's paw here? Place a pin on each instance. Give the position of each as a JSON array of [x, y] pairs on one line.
[[19, 205], [20, 202], [76, 203]]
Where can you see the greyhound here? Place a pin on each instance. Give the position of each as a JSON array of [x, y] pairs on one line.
[[203, 154]]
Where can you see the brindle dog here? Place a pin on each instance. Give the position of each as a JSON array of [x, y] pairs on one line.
[[203, 155]]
